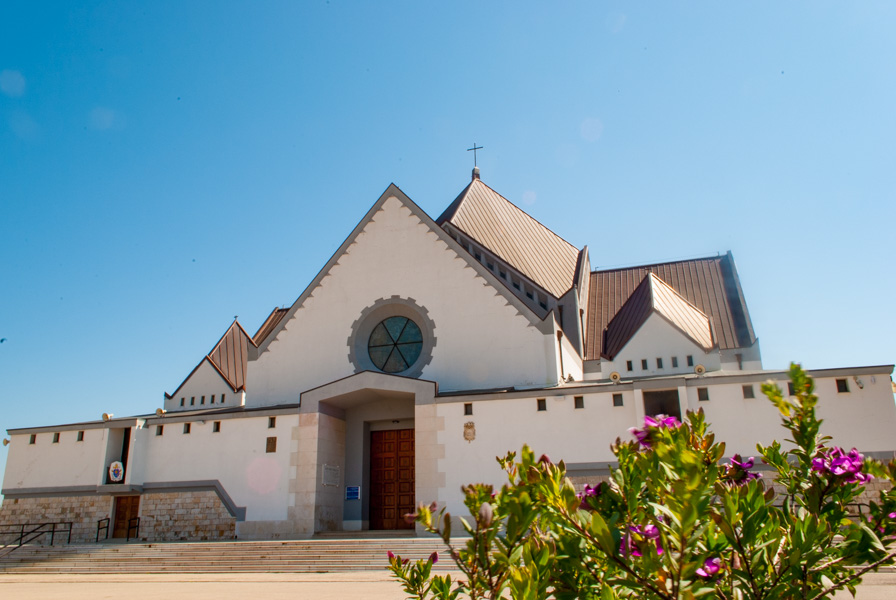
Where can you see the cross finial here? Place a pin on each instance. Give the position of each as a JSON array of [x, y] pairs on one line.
[[474, 149]]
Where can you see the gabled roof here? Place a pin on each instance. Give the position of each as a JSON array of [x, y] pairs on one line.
[[273, 319], [263, 341], [655, 296], [710, 284], [514, 236], [228, 357]]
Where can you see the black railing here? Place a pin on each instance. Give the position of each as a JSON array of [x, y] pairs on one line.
[[133, 525], [28, 532], [102, 525]]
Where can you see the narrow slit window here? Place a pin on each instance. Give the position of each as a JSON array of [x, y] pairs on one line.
[[542, 404], [690, 360], [272, 422], [468, 408], [659, 363], [80, 436], [202, 401], [271, 445], [749, 392], [216, 427], [213, 399], [182, 401], [579, 401], [703, 394], [629, 366], [502, 274], [222, 398], [192, 400], [56, 437], [617, 399], [842, 386], [160, 429], [790, 389], [674, 362], [186, 428], [643, 364], [33, 439]]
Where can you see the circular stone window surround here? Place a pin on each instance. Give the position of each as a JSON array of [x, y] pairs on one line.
[[376, 313]]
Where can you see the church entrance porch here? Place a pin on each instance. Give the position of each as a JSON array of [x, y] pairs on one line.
[[391, 478]]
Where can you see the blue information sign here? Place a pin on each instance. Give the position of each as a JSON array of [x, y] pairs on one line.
[[353, 492]]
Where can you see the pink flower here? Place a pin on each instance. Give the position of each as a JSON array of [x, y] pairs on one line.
[[434, 557], [391, 555], [710, 568]]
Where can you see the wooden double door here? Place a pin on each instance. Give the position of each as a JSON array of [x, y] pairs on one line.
[[391, 478], [126, 508]]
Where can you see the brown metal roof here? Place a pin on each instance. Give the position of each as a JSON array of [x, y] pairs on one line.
[[231, 354], [268, 326], [655, 296], [709, 284], [515, 237]]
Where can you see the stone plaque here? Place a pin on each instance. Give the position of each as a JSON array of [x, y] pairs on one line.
[[331, 475]]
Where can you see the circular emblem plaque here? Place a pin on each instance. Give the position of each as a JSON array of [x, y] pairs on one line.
[[116, 471]]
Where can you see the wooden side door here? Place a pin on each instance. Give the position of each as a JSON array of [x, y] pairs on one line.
[[126, 508], [391, 478]]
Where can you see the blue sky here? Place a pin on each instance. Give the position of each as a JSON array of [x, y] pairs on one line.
[[168, 165]]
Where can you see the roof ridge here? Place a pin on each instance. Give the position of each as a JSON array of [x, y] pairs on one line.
[[656, 264]]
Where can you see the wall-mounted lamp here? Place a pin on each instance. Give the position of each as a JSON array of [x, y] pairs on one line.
[[5, 442], [107, 416], [160, 412], [858, 382]]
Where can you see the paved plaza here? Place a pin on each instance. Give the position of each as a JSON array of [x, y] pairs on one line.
[[269, 586]]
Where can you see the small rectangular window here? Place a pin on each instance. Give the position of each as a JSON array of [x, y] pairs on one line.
[[842, 386], [80, 436], [542, 404], [213, 399], [182, 401], [56, 437], [659, 363], [491, 266], [617, 399], [272, 422], [544, 305], [530, 295], [703, 394], [192, 400], [643, 364], [748, 392], [478, 256], [222, 398], [271, 445], [186, 428], [468, 408], [579, 401], [629, 366], [216, 427], [202, 401], [674, 362], [516, 285], [790, 389], [502, 274], [33, 439], [690, 360], [160, 429]]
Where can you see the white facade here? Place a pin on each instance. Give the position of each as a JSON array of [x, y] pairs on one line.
[[491, 369]]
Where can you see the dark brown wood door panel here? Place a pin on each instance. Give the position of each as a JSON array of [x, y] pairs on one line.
[[391, 478]]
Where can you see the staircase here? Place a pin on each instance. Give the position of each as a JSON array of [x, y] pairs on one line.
[[323, 555]]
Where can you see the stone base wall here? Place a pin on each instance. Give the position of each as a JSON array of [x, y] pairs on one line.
[[82, 511], [173, 516]]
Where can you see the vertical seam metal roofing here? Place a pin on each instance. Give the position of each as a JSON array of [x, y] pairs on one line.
[[653, 295], [231, 354], [268, 326], [709, 284], [514, 236]]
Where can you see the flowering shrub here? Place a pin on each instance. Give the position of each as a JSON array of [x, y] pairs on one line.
[[673, 521]]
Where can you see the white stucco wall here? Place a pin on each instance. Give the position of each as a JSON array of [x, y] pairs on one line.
[[236, 457], [482, 341], [657, 338], [45, 464], [205, 381]]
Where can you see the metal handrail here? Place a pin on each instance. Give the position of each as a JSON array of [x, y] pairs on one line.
[[100, 525], [134, 526], [26, 535]]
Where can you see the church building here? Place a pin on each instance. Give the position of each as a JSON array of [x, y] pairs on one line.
[[392, 382]]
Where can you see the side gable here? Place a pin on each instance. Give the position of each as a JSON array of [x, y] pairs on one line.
[[229, 357], [710, 284], [655, 296], [394, 191]]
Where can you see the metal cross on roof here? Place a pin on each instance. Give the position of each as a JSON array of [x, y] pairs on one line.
[[474, 149]]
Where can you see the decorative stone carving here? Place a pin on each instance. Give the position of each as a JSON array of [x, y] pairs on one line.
[[469, 431]]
